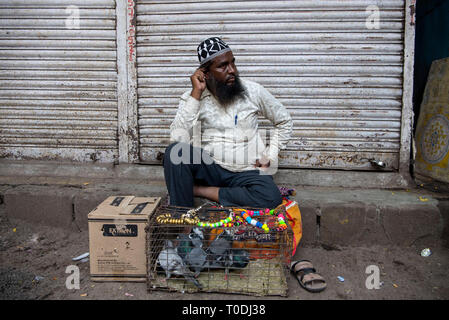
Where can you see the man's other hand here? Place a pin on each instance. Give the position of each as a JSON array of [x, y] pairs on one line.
[[262, 163]]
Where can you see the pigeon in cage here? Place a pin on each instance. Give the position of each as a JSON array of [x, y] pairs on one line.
[[196, 257], [184, 245], [186, 242], [240, 258], [222, 255], [172, 263], [220, 252], [197, 237]]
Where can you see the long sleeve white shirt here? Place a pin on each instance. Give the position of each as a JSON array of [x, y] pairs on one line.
[[231, 135]]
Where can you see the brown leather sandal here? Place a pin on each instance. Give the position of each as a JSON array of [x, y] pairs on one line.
[[307, 277]]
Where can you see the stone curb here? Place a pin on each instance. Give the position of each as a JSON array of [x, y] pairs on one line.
[[334, 217]]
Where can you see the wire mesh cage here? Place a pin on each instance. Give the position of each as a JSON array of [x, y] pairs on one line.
[[219, 249]]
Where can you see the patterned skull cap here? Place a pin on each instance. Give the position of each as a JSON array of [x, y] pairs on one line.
[[211, 48]]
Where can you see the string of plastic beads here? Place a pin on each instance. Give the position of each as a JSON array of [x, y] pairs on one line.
[[222, 223], [236, 218], [249, 214], [247, 217], [281, 221]]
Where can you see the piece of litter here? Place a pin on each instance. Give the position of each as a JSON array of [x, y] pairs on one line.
[[129, 294], [14, 230], [38, 278], [83, 295], [34, 238], [86, 183], [84, 255], [426, 252], [423, 199], [341, 279], [395, 285]]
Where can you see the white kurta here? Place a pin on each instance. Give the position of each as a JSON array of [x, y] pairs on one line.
[[230, 135]]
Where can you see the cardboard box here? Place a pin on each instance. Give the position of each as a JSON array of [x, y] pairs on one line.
[[117, 238]]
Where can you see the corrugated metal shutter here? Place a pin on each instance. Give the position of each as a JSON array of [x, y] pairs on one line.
[[341, 81], [58, 83]]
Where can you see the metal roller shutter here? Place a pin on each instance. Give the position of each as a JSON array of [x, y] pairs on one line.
[[58, 83], [341, 81]]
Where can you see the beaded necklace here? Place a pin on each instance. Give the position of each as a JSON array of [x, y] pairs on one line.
[[249, 214], [190, 218], [236, 217], [166, 218], [222, 223]]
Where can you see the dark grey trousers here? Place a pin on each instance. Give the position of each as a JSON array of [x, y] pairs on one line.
[[186, 166]]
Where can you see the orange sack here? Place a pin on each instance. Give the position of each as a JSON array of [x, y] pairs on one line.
[[294, 219]]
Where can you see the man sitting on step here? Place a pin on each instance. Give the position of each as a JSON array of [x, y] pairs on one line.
[[217, 150]]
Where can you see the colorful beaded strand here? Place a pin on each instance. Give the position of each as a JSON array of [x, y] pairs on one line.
[[222, 223]]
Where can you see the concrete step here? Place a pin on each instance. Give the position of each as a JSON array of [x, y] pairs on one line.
[[371, 216], [330, 215]]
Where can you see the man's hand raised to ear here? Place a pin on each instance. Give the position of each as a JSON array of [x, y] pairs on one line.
[[198, 80]]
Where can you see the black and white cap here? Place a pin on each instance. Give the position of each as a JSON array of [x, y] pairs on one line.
[[211, 48]]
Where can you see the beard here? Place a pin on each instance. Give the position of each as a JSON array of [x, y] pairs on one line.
[[226, 94]]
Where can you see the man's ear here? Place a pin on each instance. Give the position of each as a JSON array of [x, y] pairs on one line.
[[206, 71]]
